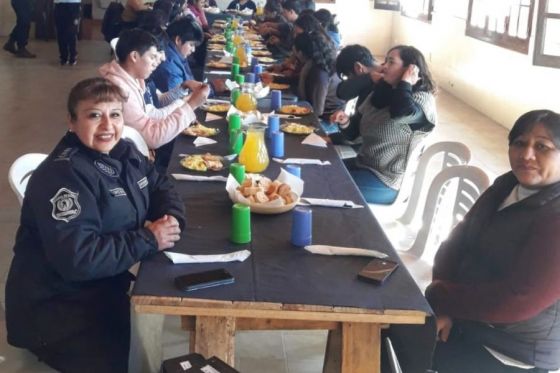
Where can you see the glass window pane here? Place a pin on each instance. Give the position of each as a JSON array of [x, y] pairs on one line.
[[523, 23], [514, 18], [553, 6], [551, 45]]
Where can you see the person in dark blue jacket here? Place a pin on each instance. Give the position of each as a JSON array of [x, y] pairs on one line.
[[184, 35], [92, 209], [242, 5]]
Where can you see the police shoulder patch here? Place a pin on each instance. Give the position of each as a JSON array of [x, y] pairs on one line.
[[143, 182], [65, 205]]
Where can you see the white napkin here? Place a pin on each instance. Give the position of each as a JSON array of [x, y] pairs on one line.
[[188, 177], [314, 140], [219, 72], [231, 85], [246, 118], [302, 161], [339, 250], [329, 203], [178, 258], [260, 91], [210, 117], [200, 141], [226, 59]]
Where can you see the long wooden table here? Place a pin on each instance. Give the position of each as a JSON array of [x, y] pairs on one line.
[[281, 286]]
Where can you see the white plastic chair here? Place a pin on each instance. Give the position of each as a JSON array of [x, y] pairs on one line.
[[450, 196], [412, 192], [21, 170], [135, 136]]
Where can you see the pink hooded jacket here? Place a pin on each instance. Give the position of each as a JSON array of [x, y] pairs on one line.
[[157, 130]]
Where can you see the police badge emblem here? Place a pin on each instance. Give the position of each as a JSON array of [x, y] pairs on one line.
[[65, 205]]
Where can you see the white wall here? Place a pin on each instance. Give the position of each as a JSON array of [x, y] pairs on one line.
[[7, 17], [500, 83]]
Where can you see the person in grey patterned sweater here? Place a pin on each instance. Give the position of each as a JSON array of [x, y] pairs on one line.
[[396, 116]]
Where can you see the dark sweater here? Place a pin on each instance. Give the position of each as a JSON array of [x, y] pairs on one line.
[[502, 268]]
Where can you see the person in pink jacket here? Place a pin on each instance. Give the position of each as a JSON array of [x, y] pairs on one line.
[[138, 57]]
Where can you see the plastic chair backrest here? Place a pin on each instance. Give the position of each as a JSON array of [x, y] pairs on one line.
[[21, 170], [135, 136], [454, 154], [471, 182]]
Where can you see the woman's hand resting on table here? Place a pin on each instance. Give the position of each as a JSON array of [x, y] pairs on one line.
[[410, 75], [444, 325], [166, 230]]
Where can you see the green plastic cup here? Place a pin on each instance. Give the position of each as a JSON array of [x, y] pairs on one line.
[[234, 122], [234, 70], [240, 224], [240, 79], [238, 171], [235, 141], [235, 59], [234, 95]]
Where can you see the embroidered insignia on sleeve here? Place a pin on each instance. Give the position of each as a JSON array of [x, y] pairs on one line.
[[118, 192], [65, 205], [105, 168], [143, 182]]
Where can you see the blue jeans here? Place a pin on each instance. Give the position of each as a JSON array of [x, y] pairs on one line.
[[373, 189]]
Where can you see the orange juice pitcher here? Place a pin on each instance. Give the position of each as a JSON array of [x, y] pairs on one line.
[[246, 100], [254, 154]]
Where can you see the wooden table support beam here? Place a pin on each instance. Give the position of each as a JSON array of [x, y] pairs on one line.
[[214, 336]]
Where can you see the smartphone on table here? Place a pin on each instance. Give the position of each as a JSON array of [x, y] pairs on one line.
[[377, 270], [201, 280]]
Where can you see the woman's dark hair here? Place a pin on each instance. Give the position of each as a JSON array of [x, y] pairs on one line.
[[308, 23], [327, 20], [166, 7], [134, 40], [187, 29], [294, 5], [525, 123], [410, 55], [273, 7], [96, 89], [351, 54], [316, 47]]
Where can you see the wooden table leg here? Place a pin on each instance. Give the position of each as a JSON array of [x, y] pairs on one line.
[[214, 336], [333, 352], [361, 348]]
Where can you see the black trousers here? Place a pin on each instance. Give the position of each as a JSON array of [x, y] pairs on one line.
[[67, 21], [20, 32], [101, 346], [461, 355]]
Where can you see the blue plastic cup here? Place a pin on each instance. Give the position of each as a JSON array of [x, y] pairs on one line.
[[275, 100], [277, 145], [254, 62], [273, 125], [302, 226], [294, 170], [250, 78], [257, 69]]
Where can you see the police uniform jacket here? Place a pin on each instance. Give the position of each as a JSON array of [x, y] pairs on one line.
[[81, 229]]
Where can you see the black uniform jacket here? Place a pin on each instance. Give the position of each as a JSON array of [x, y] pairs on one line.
[[82, 227]]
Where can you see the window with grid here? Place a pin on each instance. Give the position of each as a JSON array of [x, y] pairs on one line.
[[419, 9], [506, 23], [387, 4], [547, 38]]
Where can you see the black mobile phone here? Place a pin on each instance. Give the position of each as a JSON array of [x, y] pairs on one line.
[[377, 270], [201, 280]]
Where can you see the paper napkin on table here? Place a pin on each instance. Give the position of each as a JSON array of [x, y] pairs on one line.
[[314, 140], [339, 250], [231, 85], [178, 258], [200, 141], [210, 117], [246, 117], [188, 177], [261, 91], [218, 72], [302, 161], [329, 203]]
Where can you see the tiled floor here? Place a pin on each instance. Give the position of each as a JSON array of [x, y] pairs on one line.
[[32, 99]]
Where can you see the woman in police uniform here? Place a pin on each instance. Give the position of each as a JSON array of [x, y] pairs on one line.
[[92, 209]]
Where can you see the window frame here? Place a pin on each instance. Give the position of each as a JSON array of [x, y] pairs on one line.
[[498, 39], [377, 4], [539, 58], [421, 17]]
